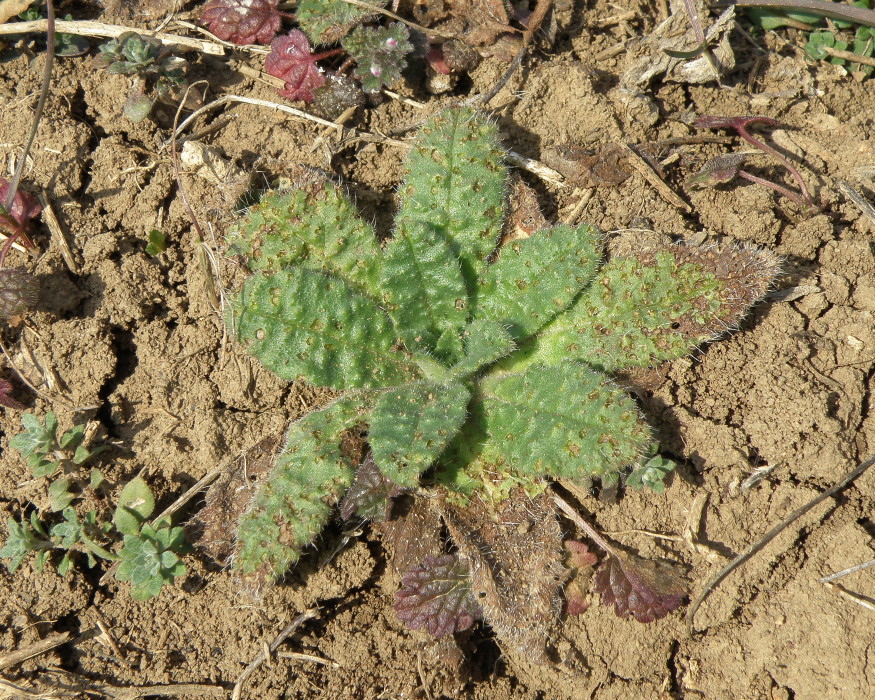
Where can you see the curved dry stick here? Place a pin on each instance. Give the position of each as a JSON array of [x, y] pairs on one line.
[[769, 536]]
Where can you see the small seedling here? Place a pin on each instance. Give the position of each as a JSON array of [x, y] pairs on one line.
[[149, 555], [480, 372], [155, 68], [157, 242], [243, 21], [44, 452], [291, 59], [725, 168]]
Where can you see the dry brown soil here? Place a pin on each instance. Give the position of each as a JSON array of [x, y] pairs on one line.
[[133, 343]]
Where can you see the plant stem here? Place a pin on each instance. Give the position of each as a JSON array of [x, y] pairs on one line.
[[776, 187], [37, 115], [833, 10]]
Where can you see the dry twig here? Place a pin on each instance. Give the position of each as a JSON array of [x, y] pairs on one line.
[[770, 535]]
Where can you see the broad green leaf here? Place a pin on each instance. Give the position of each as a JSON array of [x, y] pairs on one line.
[[411, 425], [656, 306], [294, 502], [302, 323], [565, 421], [456, 183], [60, 495], [425, 292], [538, 277], [317, 227]]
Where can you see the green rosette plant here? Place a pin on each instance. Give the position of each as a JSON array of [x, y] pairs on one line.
[[479, 372]]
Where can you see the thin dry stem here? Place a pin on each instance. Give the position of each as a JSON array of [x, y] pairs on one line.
[[769, 536], [100, 29], [845, 572], [862, 601], [262, 657], [41, 647]]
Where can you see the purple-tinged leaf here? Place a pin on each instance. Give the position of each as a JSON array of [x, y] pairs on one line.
[[717, 171], [24, 207], [580, 562], [6, 399], [291, 60], [436, 596], [643, 589], [371, 493], [242, 21]]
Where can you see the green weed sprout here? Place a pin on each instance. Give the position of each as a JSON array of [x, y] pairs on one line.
[[155, 68], [478, 370], [149, 557]]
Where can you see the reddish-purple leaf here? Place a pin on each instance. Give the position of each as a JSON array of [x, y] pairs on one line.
[[371, 493], [718, 170], [291, 60], [643, 589], [6, 399], [580, 562], [242, 21], [24, 207], [436, 595]]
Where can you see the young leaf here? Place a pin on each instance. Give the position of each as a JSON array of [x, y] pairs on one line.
[[23, 539], [38, 439], [638, 587], [242, 21], [436, 595], [60, 495], [72, 437], [411, 425], [562, 421], [456, 185], [149, 560], [425, 291], [135, 504], [301, 323], [371, 494], [538, 277], [327, 21], [651, 474], [294, 502], [485, 342]]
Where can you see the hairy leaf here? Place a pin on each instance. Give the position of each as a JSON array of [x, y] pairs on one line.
[[657, 306], [436, 596], [411, 425], [425, 291], [380, 54], [456, 184], [562, 421], [638, 587], [242, 21], [294, 501], [485, 342], [538, 277], [371, 494], [327, 21], [302, 323], [314, 225]]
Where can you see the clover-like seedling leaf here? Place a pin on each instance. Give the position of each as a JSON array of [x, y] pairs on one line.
[[436, 595], [292, 60], [651, 474], [643, 589], [242, 21]]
